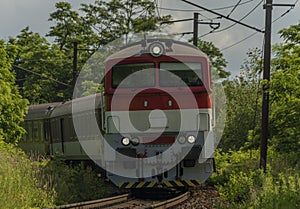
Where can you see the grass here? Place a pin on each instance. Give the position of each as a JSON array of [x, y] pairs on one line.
[[19, 185]]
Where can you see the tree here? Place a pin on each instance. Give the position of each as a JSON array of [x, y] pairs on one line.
[[102, 22], [285, 93], [39, 64], [242, 103], [110, 20], [68, 27], [12, 106], [99, 24], [216, 57]]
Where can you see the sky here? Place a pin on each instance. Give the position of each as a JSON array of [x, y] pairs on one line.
[[15, 15]]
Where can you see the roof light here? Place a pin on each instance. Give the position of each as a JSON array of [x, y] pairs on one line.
[[156, 49]]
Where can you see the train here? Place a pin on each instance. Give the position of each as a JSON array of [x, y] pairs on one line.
[[151, 127]]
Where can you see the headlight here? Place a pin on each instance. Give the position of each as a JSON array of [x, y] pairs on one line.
[[191, 139], [135, 141], [181, 139], [125, 141]]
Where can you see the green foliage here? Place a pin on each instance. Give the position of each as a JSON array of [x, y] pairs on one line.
[[12, 106], [239, 187], [111, 19], [283, 191], [29, 183], [20, 185], [233, 162], [46, 63], [257, 190], [242, 103], [74, 183], [216, 57], [39, 63], [68, 27], [285, 93], [102, 22], [242, 185]]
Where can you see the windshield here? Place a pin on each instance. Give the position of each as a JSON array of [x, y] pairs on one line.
[[173, 74], [138, 75]]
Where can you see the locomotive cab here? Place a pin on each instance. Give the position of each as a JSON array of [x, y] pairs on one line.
[[157, 95]]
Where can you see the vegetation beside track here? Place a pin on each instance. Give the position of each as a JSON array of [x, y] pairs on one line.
[[20, 181], [38, 183], [242, 185], [74, 183]]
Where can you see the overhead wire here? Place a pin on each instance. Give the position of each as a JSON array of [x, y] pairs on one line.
[[193, 10], [247, 37], [237, 4], [41, 75], [230, 26], [157, 8]]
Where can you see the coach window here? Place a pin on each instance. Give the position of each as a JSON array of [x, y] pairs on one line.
[[55, 130], [173, 74], [137, 75]]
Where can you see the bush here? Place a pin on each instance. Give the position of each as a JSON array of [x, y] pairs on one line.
[[242, 185], [73, 183], [282, 191], [232, 162], [19, 183]]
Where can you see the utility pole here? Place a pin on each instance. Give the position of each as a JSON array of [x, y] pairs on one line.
[[266, 76], [75, 49], [195, 29]]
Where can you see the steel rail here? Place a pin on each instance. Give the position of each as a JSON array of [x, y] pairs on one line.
[[171, 202], [96, 203]]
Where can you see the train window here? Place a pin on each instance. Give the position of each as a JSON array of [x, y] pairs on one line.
[[55, 130], [138, 79], [180, 74]]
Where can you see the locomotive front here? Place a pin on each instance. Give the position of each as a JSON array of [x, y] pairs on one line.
[[158, 115]]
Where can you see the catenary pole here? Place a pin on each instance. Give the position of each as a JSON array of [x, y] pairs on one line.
[[266, 77], [195, 29]]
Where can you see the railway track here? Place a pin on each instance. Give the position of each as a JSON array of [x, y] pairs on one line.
[[126, 202]]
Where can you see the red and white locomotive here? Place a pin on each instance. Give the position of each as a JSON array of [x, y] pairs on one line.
[[153, 120]]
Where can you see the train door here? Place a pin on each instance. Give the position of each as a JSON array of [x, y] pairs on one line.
[[48, 137], [62, 136]]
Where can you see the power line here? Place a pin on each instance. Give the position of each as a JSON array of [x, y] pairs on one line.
[[283, 14], [223, 16], [247, 37], [43, 76], [237, 4], [240, 41], [157, 8], [193, 10], [230, 26]]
